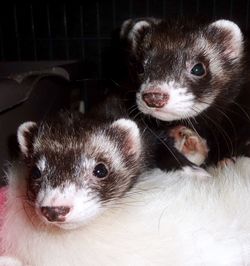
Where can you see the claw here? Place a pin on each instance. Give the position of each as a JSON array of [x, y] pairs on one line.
[[190, 144]]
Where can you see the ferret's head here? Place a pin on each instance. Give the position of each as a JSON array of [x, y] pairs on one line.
[[183, 68], [78, 168]]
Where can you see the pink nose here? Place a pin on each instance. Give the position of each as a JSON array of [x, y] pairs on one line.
[[55, 214], [155, 99]]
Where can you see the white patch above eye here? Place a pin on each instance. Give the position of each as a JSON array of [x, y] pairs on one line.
[[41, 164], [104, 145]]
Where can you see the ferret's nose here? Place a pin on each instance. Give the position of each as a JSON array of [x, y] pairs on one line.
[[155, 99], [55, 214]]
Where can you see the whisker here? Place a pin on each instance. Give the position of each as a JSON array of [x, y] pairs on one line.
[[135, 116], [191, 124], [214, 135], [226, 137], [220, 110], [242, 110], [131, 110], [163, 142]]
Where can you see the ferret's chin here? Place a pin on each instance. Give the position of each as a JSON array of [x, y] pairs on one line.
[[75, 222], [168, 114], [69, 226], [162, 114]]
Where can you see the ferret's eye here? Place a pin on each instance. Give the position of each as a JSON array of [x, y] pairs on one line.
[[100, 170], [198, 70], [35, 173]]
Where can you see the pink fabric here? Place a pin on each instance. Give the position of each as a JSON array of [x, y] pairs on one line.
[[3, 191]]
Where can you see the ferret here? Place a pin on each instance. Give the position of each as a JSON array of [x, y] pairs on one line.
[[73, 169], [191, 73], [81, 195]]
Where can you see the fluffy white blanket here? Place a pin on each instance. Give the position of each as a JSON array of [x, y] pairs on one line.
[[166, 219]]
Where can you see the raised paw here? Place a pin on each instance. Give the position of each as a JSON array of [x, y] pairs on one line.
[[190, 144]]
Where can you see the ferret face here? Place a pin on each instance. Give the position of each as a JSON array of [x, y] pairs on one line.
[[182, 69], [77, 171]]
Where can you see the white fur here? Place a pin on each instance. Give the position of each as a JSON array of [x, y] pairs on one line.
[[8, 261], [25, 127], [133, 140], [84, 204], [181, 104], [166, 219], [124, 27], [134, 31], [41, 164], [213, 53], [235, 47], [127, 125], [110, 148], [138, 26], [197, 158]]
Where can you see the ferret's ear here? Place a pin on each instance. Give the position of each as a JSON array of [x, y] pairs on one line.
[[129, 135], [133, 30], [25, 136], [228, 36]]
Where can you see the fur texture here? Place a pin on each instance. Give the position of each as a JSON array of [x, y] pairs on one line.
[[187, 72], [165, 219], [77, 166], [182, 68]]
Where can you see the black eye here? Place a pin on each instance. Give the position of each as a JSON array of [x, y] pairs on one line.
[[100, 170], [198, 70], [35, 173]]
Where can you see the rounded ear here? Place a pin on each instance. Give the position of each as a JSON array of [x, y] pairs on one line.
[[132, 144], [132, 30], [227, 34], [25, 136]]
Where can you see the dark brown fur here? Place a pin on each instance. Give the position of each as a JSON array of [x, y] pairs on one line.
[[167, 45], [62, 142]]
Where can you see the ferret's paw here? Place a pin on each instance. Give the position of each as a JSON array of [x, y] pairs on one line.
[[10, 261], [226, 162], [190, 144], [196, 172]]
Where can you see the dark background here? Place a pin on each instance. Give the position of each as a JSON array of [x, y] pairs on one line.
[[76, 30], [82, 30]]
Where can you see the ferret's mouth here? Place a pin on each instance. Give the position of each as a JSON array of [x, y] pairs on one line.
[[179, 106], [65, 225], [161, 112], [165, 115]]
